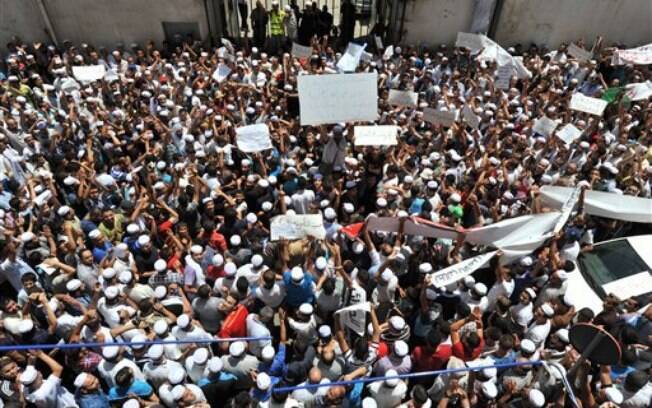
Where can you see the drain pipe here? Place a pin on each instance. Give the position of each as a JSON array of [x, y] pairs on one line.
[[48, 23]]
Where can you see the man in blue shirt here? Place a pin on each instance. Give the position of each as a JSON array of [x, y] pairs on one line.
[[89, 394], [215, 373], [127, 385], [300, 287]]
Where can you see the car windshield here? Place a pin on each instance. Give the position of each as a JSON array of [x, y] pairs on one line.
[[609, 262]]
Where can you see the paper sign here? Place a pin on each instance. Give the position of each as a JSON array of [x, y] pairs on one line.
[[470, 117], [568, 133], [594, 106], [437, 117], [351, 57], [379, 42], [544, 126], [637, 56], [458, 271], [467, 40], [89, 73], [389, 52], [639, 91], [301, 51], [253, 138], [504, 76], [579, 52], [354, 317], [375, 135], [338, 98], [297, 226], [221, 73], [111, 76], [402, 98]]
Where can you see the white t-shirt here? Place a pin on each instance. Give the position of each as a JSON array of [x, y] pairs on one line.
[[271, 297], [158, 374], [504, 288], [522, 314], [51, 394], [108, 370], [301, 201], [387, 397], [538, 333], [255, 328]]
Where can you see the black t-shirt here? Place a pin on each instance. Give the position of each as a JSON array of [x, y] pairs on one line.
[[145, 261]]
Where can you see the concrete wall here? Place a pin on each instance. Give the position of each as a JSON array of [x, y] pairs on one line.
[[554, 21], [101, 22], [430, 22]]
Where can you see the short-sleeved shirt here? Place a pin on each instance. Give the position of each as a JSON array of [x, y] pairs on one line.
[[301, 293], [462, 353], [140, 388]]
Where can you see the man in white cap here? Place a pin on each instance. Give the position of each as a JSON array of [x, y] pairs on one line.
[[539, 329], [196, 364], [240, 363], [398, 360], [305, 324], [89, 391], [188, 329], [157, 369], [299, 286], [113, 361], [390, 392], [45, 392]]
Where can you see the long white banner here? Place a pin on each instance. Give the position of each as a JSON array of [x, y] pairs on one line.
[[412, 226], [458, 271], [325, 99], [637, 56]]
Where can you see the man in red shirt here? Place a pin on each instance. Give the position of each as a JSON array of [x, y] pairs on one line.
[[433, 355], [469, 346]]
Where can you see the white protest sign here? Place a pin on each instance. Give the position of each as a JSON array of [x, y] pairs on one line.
[[504, 76], [594, 106], [354, 317], [493, 52], [89, 73], [253, 138], [567, 209], [458, 271], [470, 117], [351, 57], [228, 44], [468, 40], [637, 56], [568, 133], [639, 91], [402, 98], [437, 117], [335, 98], [297, 226], [301, 51], [375, 135], [544, 126], [579, 52], [221, 73], [379, 42], [389, 52]]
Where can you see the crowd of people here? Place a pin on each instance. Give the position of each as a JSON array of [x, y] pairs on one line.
[[128, 214]]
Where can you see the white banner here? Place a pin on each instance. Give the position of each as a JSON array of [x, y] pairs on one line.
[[493, 52], [637, 56], [379, 42], [89, 73], [354, 317], [639, 91], [579, 53], [458, 271], [325, 99], [568, 133], [389, 52], [412, 226], [470, 117], [375, 135], [468, 40], [603, 204], [504, 76], [297, 226], [221, 73], [544, 126], [567, 209], [351, 57], [402, 98], [301, 51], [594, 106], [253, 138], [438, 117]]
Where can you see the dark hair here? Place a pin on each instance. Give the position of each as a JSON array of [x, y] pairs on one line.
[[433, 338], [329, 286], [629, 357], [419, 394], [585, 315], [204, 291], [506, 342], [473, 340], [124, 377]]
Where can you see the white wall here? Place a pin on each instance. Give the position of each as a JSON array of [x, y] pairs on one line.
[[429, 22], [554, 21], [100, 22]]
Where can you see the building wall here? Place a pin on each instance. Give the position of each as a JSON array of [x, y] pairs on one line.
[[554, 21], [429, 22], [101, 22]]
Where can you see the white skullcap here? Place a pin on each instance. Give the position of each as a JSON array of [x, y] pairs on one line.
[[73, 285], [235, 240], [215, 365], [121, 250], [321, 263], [28, 375], [160, 265], [387, 275], [160, 292], [267, 206], [401, 348], [176, 376], [139, 338], [614, 395], [369, 402], [111, 292], [547, 310], [131, 403], [263, 382], [124, 277], [391, 382], [563, 335], [397, 323], [267, 353], [456, 198], [348, 208], [237, 348], [63, 210], [358, 247], [469, 281], [257, 260], [80, 380], [178, 392], [218, 260], [143, 240], [489, 389], [381, 202], [108, 273], [251, 218], [200, 356], [94, 234], [230, 269], [531, 293], [183, 321], [196, 249], [330, 213], [110, 352], [536, 398], [480, 288], [306, 309], [528, 346], [160, 326], [526, 261], [155, 352], [325, 331], [425, 267], [297, 274]]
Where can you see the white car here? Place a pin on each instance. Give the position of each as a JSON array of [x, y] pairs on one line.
[[622, 266]]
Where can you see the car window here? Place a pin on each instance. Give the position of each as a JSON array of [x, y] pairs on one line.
[[609, 262]]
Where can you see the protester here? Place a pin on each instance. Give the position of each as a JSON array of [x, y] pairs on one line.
[[130, 212]]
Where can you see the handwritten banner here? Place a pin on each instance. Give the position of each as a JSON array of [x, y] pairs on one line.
[[593, 106], [375, 135]]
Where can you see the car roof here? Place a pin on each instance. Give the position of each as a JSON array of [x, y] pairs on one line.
[[642, 245]]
